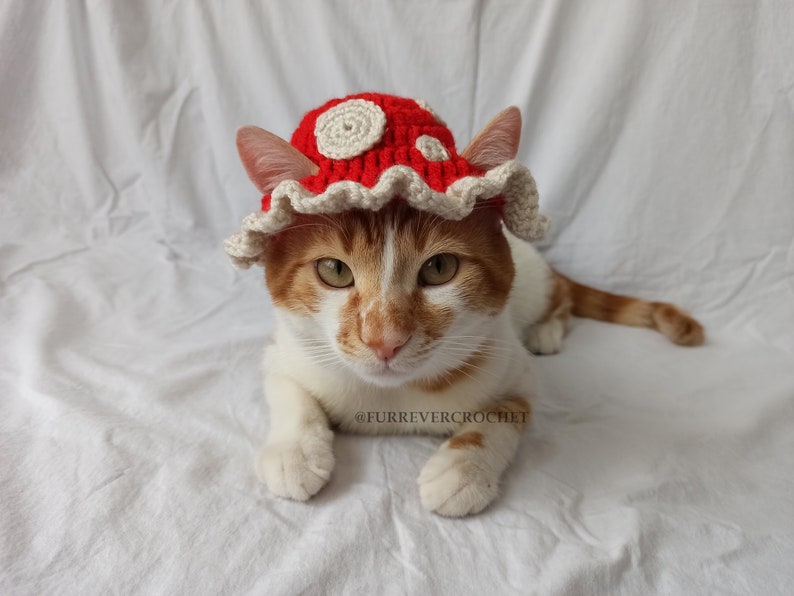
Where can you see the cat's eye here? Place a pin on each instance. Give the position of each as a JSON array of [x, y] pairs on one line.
[[334, 273], [438, 270]]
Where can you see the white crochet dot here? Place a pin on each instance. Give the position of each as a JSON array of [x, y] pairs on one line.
[[349, 129], [431, 148]]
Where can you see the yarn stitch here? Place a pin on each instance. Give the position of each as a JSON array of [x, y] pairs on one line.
[[431, 148], [371, 148], [349, 129]]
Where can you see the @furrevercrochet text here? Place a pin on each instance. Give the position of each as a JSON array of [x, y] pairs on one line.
[[439, 417]]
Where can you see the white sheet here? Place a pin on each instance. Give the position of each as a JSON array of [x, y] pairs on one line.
[[662, 139]]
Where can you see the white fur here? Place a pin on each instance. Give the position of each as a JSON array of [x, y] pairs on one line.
[[311, 383], [531, 286], [458, 482], [530, 297]]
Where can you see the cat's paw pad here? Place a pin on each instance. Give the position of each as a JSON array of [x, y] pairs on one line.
[[545, 338], [457, 482], [296, 469]]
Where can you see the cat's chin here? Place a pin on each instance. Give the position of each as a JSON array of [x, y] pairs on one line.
[[384, 376]]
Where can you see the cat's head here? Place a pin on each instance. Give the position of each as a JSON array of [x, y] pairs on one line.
[[393, 295]]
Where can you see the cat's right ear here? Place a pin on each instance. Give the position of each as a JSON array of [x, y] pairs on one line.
[[269, 159], [497, 142]]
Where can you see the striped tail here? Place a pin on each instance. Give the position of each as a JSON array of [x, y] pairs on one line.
[[666, 318]]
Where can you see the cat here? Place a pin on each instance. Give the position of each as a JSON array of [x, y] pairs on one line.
[[400, 321]]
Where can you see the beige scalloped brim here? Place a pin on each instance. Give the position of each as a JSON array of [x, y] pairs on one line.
[[511, 180]]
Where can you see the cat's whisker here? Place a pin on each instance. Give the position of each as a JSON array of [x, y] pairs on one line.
[[480, 345], [478, 338], [477, 379], [495, 352], [314, 341], [319, 346], [321, 358], [323, 361], [483, 349], [317, 342], [481, 338], [483, 370], [316, 350]]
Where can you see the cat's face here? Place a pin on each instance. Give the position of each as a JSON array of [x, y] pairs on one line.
[[393, 296]]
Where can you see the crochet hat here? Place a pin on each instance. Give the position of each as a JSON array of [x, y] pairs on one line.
[[364, 150]]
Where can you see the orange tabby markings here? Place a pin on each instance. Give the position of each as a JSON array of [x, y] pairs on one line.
[[604, 306], [467, 439], [378, 309], [348, 324], [516, 409], [677, 325], [290, 279], [666, 318]]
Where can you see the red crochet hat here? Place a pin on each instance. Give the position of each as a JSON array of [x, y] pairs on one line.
[[370, 148]]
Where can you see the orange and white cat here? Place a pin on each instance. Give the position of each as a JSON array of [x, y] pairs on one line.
[[425, 320]]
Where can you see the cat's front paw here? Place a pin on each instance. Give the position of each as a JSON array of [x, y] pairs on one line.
[[545, 338], [296, 469], [457, 482]]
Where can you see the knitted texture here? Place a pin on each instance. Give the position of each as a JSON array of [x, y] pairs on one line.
[[371, 148], [431, 148]]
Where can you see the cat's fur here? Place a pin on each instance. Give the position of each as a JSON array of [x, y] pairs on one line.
[[389, 344]]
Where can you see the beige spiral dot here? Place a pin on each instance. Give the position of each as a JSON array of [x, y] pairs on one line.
[[349, 129], [431, 148]]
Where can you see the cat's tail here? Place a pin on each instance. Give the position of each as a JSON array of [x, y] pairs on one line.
[[668, 319]]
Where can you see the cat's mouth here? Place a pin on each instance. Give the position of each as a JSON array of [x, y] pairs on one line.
[[405, 367]]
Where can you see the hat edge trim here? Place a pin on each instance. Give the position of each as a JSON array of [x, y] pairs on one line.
[[511, 180]]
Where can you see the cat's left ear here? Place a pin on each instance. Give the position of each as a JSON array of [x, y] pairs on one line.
[[269, 160], [497, 142]]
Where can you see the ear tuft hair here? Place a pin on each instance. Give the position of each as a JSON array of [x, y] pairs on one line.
[[269, 159], [498, 142]]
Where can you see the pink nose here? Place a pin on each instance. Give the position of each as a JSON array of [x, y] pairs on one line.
[[386, 348]]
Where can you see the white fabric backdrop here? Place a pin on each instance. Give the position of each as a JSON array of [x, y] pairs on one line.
[[661, 135]]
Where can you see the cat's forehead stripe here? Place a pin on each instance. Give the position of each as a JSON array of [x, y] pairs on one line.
[[387, 259]]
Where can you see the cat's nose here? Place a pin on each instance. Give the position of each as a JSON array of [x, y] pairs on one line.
[[386, 348]]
